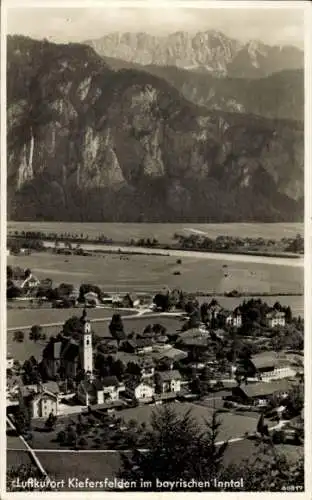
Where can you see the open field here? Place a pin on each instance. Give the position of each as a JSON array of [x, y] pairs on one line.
[[25, 317], [233, 426], [22, 351], [95, 466], [162, 232], [14, 441], [15, 458], [98, 466], [151, 273]]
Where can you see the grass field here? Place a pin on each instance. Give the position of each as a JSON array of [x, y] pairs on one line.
[[152, 273], [98, 466], [162, 232], [232, 425], [25, 317], [17, 458]]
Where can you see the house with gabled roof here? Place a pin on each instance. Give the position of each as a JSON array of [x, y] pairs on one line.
[[259, 393], [275, 318], [230, 318], [168, 381], [147, 366], [139, 346], [143, 391], [97, 392], [271, 366], [41, 399]]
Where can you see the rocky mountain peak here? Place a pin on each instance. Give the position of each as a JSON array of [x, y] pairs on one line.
[[210, 51], [89, 143]]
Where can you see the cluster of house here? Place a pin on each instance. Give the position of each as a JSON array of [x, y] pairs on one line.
[[270, 374], [234, 318], [26, 281]]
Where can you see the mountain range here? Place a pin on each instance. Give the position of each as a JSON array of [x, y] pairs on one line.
[[209, 52], [279, 95], [89, 142]]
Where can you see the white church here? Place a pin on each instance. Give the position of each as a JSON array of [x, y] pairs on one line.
[[92, 391]]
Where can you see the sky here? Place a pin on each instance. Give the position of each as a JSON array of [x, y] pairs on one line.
[[272, 26]]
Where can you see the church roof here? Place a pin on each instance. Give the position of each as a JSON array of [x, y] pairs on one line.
[[71, 350], [110, 381]]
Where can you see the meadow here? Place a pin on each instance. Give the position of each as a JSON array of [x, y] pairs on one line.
[[162, 232], [117, 273], [27, 317], [100, 465]]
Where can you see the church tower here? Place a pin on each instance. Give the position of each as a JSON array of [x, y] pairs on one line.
[[86, 353]]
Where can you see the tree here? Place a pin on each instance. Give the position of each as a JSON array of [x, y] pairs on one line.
[[270, 470], [159, 329], [178, 448], [162, 301], [45, 288], [118, 369], [148, 329], [13, 291], [18, 336], [86, 288], [65, 289], [288, 314], [262, 428], [31, 373], [204, 312], [191, 306], [71, 436], [133, 368], [61, 437], [72, 327], [116, 328], [9, 272], [199, 387], [23, 473], [35, 333], [23, 419], [295, 400], [50, 422]]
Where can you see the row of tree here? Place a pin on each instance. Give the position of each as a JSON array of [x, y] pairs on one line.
[[234, 243]]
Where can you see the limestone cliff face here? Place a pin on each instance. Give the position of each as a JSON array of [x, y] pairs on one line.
[[89, 143], [210, 52]]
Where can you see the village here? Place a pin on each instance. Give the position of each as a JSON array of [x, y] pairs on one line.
[[245, 364]]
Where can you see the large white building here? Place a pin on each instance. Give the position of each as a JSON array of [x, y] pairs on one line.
[[143, 392]]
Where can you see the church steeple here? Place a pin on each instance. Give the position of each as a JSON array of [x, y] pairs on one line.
[[84, 318], [86, 345]]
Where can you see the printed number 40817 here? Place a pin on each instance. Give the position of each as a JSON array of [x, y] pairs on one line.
[[292, 487]]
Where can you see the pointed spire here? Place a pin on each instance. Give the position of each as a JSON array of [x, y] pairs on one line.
[[83, 318]]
